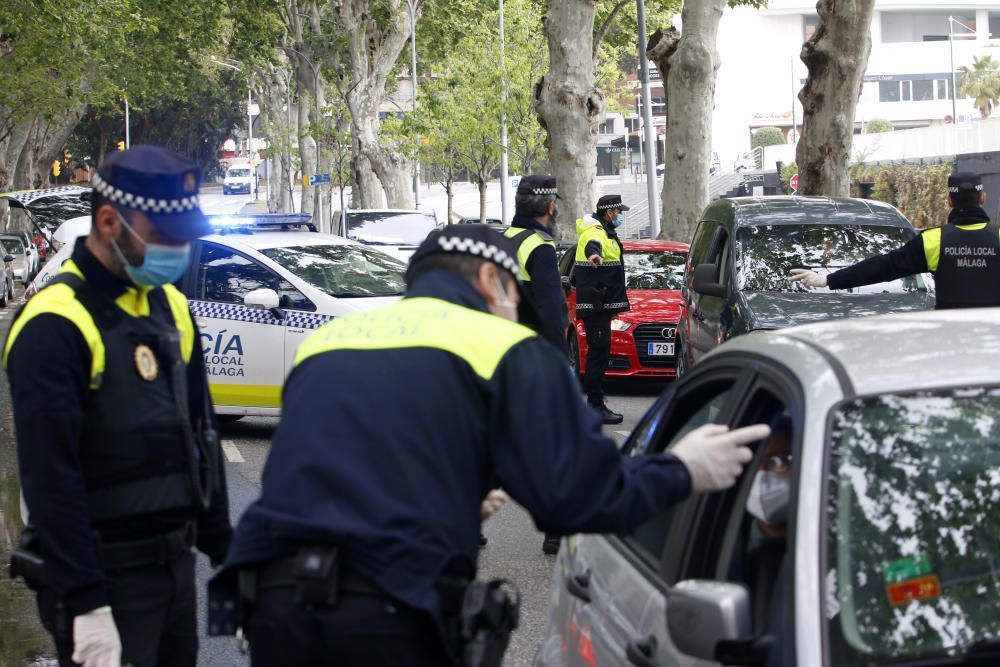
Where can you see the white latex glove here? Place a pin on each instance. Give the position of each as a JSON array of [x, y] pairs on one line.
[[715, 456], [807, 278], [95, 639], [492, 503]]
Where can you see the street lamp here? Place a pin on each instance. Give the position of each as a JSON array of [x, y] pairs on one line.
[[647, 115], [412, 5], [951, 50], [250, 151], [319, 198], [505, 171]]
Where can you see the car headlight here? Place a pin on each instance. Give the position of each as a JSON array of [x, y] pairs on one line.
[[620, 325]]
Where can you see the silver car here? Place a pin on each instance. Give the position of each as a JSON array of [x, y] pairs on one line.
[[21, 265], [6, 278], [866, 530]]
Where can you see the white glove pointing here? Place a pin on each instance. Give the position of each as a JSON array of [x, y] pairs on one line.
[[492, 503], [807, 278], [95, 639], [715, 456]]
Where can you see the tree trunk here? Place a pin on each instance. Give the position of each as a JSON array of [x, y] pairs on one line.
[[569, 108], [836, 56], [307, 153], [688, 62], [366, 189], [22, 168], [15, 145], [51, 147], [449, 188], [482, 200]]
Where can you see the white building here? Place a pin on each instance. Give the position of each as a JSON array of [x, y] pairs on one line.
[[908, 80]]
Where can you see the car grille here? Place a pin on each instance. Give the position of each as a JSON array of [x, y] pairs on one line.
[[655, 332], [618, 362]]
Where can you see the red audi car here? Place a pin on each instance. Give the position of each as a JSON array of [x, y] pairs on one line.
[[643, 338]]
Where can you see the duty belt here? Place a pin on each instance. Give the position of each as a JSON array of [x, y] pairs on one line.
[[286, 573], [153, 551]]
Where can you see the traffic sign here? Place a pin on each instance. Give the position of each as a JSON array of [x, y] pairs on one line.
[[794, 182], [315, 179]]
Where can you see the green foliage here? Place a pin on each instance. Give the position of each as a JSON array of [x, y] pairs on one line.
[[919, 191], [767, 136], [878, 125], [982, 83]]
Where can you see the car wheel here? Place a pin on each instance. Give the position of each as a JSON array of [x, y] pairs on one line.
[[681, 361]]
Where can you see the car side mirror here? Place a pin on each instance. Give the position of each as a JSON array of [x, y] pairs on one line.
[[701, 613], [8, 259], [264, 299], [704, 280]]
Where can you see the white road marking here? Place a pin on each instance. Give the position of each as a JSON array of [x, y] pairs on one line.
[[232, 453]]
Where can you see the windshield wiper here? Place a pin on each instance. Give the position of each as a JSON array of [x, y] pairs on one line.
[[360, 295]]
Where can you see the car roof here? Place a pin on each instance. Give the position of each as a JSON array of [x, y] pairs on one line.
[[900, 352], [795, 210], [264, 240], [654, 244]]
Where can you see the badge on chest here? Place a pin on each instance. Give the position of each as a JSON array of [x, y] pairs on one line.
[[145, 363]]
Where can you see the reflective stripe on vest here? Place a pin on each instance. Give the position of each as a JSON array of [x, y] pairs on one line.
[[528, 240], [478, 338], [610, 249], [59, 299]]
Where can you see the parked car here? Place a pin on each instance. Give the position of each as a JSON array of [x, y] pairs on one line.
[[397, 232], [884, 551], [257, 288], [493, 222], [238, 179], [6, 280], [736, 280], [643, 338], [14, 245]]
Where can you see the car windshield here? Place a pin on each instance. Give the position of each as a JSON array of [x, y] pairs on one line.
[[655, 269], [389, 227], [767, 253], [913, 525], [239, 173], [13, 246], [343, 270]]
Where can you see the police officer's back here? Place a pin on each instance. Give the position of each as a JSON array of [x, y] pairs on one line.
[[963, 254], [396, 423], [116, 437]]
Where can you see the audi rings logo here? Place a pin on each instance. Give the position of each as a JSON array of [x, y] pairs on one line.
[[669, 332]]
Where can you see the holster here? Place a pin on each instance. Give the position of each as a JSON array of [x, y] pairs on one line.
[[26, 561], [488, 616]]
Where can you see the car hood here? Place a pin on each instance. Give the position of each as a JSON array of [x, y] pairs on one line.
[[776, 310], [648, 304], [363, 303]]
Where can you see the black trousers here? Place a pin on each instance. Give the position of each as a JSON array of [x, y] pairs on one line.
[[358, 631], [154, 608], [598, 330]]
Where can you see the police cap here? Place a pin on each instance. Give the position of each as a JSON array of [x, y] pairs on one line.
[[474, 240], [158, 182], [964, 181], [610, 201], [538, 184]]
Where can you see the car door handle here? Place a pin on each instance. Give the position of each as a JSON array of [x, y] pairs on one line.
[[296, 331], [578, 585], [641, 652]]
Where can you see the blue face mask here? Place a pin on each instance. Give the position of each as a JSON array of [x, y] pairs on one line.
[[163, 264], [618, 221]]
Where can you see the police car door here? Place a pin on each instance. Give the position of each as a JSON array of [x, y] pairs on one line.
[[243, 345]]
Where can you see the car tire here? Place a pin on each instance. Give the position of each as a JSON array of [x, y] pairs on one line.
[[681, 360], [5, 298]]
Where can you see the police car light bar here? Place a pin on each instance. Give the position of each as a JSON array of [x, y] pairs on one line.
[[247, 223]]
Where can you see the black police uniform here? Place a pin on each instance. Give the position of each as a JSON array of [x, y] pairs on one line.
[[963, 255], [389, 464], [106, 379]]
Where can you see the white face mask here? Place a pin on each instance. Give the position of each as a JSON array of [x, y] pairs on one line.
[[503, 306], [769, 497]]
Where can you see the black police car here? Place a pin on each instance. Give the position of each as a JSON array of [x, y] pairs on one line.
[[736, 279]]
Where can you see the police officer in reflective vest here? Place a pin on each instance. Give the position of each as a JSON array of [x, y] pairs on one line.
[[532, 229], [600, 293], [963, 255], [116, 437], [361, 548]]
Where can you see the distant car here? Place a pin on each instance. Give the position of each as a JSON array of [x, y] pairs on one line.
[[6, 280], [397, 232], [888, 443], [493, 222], [21, 265], [736, 279], [642, 339], [33, 261], [239, 179], [659, 169]]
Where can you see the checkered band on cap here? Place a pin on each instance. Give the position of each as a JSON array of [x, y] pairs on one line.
[[145, 204], [954, 189], [544, 191], [604, 207], [480, 249]]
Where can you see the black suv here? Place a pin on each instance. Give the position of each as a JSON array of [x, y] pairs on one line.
[[736, 279]]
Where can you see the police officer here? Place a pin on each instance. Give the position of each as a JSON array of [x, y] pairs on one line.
[[963, 255], [371, 496], [532, 229], [600, 293], [116, 437]]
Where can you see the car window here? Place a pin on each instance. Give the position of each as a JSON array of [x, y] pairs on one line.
[[658, 432], [226, 276], [343, 271], [912, 526], [389, 228], [567, 261], [701, 242], [654, 269], [13, 246], [767, 253]]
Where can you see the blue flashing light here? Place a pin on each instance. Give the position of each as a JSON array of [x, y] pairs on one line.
[[250, 222]]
